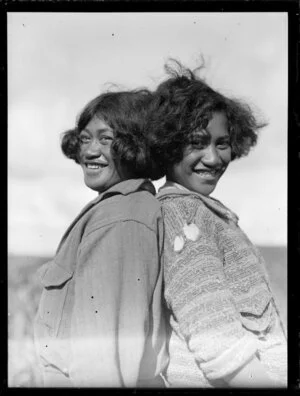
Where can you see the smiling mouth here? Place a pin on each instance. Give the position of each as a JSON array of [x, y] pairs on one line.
[[208, 174], [95, 166]]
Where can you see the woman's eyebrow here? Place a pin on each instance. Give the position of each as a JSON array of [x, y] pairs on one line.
[[99, 130], [201, 134], [105, 129], [85, 130], [225, 136]]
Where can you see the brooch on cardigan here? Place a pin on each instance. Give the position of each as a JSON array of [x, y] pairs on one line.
[[190, 231]]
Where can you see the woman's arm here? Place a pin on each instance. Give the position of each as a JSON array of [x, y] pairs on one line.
[[118, 269], [252, 375]]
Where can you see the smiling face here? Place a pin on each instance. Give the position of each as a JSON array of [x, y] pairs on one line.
[[95, 156], [205, 158]]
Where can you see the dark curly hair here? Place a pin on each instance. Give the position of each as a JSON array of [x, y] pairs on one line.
[[125, 112], [183, 103]]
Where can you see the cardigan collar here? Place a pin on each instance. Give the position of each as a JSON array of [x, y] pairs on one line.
[[171, 189]]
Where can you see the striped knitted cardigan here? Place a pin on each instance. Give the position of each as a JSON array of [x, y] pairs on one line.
[[217, 293]]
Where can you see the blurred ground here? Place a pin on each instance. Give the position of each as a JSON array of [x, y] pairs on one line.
[[23, 297]]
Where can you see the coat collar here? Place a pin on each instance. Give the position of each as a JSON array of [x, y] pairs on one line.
[[125, 187], [171, 189]]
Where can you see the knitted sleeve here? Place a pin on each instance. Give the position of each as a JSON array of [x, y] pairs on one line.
[[196, 290]]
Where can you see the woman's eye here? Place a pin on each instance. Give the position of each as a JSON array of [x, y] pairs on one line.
[[84, 139], [105, 139], [224, 145], [197, 143], [198, 146], [199, 139]]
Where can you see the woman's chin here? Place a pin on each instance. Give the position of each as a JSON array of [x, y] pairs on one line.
[[100, 185]]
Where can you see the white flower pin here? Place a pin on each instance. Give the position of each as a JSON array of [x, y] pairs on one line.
[[178, 243], [191, 231]]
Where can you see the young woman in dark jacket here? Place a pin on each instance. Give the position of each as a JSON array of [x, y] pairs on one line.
[[99, 321]]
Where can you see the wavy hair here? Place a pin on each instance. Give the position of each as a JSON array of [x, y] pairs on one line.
[[183, 103], [125, 112]]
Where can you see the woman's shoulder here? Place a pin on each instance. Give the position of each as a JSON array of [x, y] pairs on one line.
[[182, 206], [139, 206], [189, 214], [181, 210], [196, 207]]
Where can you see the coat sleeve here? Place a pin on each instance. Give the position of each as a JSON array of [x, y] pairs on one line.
[[201, 301], [118, 272]]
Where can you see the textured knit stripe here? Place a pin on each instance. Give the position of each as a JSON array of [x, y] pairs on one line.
[[216, 287]]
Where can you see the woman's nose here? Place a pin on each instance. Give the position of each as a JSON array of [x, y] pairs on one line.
[[211, 156], [94, 148]]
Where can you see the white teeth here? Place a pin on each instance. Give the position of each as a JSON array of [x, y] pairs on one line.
[[206, 172], [93, 166]]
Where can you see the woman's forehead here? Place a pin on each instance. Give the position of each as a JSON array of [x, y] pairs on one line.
[[97, 124], [216, 125]]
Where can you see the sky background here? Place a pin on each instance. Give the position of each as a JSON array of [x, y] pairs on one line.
[[57, 62]]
